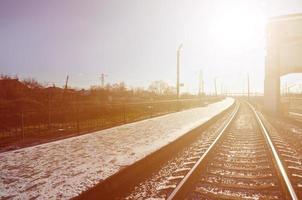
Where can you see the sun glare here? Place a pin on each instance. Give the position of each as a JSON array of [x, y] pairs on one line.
[[237, 28]]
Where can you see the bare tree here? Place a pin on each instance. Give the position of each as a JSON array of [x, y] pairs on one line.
[[160, 88], [32, 83]]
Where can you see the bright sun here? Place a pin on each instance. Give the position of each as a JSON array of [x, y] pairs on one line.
[[234, 39], [237, 28]]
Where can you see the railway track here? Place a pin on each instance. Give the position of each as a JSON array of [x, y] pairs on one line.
[[242, 164], [239, 161], [164, 180], [287, 137]]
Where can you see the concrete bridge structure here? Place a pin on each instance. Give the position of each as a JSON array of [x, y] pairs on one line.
[[284, 55]]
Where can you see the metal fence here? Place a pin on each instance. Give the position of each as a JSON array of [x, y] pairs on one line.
[[76, 119]]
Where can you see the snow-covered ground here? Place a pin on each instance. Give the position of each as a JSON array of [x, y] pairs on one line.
[[65, 168]]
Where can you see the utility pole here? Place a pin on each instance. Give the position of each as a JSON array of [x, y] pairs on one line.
[[177, 70], [103, 79], [215, 85], [66, 83], [248, 86], [65, 88], [243, 87], [200, 89]]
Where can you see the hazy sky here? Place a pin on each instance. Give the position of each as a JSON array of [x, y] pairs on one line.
[[135, 41]]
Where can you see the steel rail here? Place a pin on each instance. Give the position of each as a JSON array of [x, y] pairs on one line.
[[295, 114], [222, 129], [280, 166]]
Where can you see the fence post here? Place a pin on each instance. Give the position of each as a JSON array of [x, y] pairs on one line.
[[49, 113], [78, 113], [124, 112], [102, 116], [22, 125], [151, 107], [39, 127]]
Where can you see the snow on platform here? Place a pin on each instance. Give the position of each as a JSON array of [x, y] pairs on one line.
[[63, 169]]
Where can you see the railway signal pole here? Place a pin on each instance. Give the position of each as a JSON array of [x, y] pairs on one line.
[[177, 70]]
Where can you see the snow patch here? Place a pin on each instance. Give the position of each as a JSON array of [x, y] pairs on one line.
[[64, 169]]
